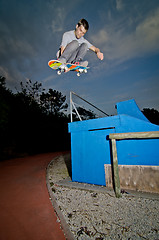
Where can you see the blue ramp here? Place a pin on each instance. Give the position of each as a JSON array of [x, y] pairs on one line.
[[90, 145], [130, 108]]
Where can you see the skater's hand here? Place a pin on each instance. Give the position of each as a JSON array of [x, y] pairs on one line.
[[100, 55]]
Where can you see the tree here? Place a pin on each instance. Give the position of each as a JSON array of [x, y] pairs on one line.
[[53, 102], [32, 90], [152, 115], [2, 83], [28, 125], [5, 98]]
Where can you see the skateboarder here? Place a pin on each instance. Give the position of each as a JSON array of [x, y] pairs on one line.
[[74, 46]]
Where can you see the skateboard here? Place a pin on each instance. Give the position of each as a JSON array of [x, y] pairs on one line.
[[65, 67]]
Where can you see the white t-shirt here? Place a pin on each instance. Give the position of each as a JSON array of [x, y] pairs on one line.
[[69, 37]]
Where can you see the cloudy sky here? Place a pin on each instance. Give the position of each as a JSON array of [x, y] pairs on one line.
[[126, 31]]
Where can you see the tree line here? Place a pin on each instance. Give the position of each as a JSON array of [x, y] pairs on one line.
[[32, 120], [35, 121]]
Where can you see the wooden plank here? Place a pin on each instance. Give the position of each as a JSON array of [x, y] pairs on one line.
[[134, 135]]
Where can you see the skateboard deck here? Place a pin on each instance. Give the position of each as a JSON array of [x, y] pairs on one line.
[[66, 67]]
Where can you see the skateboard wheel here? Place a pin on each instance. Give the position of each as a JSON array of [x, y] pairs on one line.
[[85, 70], [59, 72], [78, 74]]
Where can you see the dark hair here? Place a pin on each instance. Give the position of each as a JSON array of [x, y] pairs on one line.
[[84, 23]]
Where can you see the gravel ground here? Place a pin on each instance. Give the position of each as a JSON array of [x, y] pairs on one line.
[[93, 212]]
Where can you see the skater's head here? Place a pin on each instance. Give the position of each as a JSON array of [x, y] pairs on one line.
[[84, 23], [81, 28]]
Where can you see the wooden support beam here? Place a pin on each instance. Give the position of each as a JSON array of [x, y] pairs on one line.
[[115, 169]]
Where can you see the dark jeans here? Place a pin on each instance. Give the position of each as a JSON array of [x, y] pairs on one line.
[[73, 52]]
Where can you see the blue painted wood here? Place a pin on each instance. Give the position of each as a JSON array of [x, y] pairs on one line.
[[90, 146], [130, 108]]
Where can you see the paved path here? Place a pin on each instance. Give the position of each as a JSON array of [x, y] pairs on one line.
[[25, 208]]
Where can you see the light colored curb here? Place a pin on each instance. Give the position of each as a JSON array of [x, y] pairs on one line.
[[65, 227]]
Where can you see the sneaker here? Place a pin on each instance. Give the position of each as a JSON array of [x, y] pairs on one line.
[[82, 63]]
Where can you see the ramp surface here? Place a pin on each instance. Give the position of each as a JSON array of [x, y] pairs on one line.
[[130, 108]]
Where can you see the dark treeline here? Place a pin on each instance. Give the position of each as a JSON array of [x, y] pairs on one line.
[[32, 120], [152, 115]]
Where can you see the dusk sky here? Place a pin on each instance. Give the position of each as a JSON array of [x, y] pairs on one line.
[[126, 31]]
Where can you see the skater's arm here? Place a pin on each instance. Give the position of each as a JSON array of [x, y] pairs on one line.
[[98, 52]]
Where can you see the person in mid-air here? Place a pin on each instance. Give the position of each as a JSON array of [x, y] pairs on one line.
[[74, 46]]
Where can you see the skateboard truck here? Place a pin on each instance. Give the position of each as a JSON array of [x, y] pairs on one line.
[[62, 68]]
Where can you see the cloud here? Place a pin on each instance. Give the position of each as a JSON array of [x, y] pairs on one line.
[[58, 20], [101, 38], [23, 41], [122, 43], [147, 33], [119, 5], [31, 33], [11, 74]]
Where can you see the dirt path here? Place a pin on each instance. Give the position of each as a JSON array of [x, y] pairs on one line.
[[26, 211]]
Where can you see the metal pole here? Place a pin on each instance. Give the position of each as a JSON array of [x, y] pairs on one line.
[[90, 103], [71, 106], [76, 111]]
